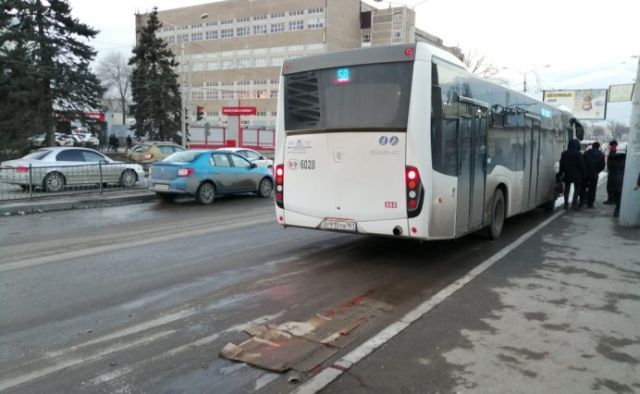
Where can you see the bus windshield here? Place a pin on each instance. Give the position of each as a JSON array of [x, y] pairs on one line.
[[373, 96]]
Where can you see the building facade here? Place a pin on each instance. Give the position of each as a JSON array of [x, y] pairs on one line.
[[230, 52]]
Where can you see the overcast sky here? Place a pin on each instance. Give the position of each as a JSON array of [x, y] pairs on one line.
[[588, 44]]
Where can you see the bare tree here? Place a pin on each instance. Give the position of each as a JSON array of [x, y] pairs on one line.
[[478, 64], [115, 74]]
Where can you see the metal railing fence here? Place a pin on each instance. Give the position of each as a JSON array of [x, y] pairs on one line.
[[31, 182]]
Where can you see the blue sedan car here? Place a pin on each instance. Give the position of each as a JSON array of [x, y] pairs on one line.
[[206, 174]]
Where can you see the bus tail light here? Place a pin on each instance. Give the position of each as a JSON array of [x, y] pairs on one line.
[[280, 185], [415, 191]]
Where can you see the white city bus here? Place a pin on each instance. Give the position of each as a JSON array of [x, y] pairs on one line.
[[403, 141]]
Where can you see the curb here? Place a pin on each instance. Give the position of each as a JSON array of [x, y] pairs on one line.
[[22, 208]]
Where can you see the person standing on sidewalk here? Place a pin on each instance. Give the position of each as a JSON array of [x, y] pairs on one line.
[[594, 164], [612, 149], [572, 170], [615, 166], [129, 143]]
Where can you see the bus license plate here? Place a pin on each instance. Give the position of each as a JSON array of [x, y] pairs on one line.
[[339, 224]]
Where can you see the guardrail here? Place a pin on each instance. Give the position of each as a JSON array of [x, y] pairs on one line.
[[30, 182]]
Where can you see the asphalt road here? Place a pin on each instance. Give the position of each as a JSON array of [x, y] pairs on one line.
[[142, 298]]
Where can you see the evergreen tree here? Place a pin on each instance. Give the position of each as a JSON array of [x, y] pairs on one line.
[[46, 67], [154, 84]]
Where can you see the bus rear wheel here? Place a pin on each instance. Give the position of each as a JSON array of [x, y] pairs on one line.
[[497, 214]]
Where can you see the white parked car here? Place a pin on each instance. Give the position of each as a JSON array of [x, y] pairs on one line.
[[252, 156], [54, 168]]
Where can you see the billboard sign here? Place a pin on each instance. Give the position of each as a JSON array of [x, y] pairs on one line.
[[584, 104], [620, 93]]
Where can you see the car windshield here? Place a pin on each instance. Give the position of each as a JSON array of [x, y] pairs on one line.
[[141, 148], [37, 155], [183, 157]]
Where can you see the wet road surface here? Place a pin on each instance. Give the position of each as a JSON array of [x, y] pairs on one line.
[[142, 298]]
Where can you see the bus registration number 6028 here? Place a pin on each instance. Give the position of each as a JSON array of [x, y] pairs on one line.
[[339, 224]]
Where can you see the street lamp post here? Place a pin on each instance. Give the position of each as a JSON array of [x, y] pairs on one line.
[[524, 74]]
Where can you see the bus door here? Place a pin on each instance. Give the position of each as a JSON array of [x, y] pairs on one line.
[[472, 140], [531, 158]]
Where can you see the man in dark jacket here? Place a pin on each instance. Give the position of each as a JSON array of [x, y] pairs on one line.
[[572, 170], [615, 167], [594, 164]]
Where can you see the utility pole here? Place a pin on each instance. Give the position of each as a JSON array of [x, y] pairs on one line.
[[630, 204]]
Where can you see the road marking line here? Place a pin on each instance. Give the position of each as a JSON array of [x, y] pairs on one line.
[[328, 375], [12, 382], [108, 248]]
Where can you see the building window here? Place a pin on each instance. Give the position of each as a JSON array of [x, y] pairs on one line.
[[226, 33], [274, 93], [244, 31], [185, 37], [244, 123], [226, 21], [260, 62], [244, 94], [366, 38], [260, 82], [277, 27], [212, 95], [197, 95], [296, 12], [211, 114], [261, 113], [397, 34], [276, 61], [275, 82], [316, 23], [296, 25], [316, 10], [244, 62], [259, 30], [259, 17], [212, 83], [211, 35], [273, 113], [243, 83], [261, 93], [170, 39], [212, 23], [228, 64], [196, 36], [213, 65], [312, 47], [196, 25], [226, 83], [397, 17], [276, 15], [243, 19], [227, 94]]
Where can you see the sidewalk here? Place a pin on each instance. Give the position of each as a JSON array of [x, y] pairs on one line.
[[92, 200], [558, 314]]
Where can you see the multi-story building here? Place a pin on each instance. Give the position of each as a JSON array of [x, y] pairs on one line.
[[233, 49]]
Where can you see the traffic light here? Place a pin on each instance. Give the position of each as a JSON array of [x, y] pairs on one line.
[[200, 112]]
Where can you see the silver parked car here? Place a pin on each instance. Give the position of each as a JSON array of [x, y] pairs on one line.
[[54, 168], [255, 157]]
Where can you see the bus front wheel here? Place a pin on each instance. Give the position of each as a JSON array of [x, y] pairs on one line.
[[497, 214]]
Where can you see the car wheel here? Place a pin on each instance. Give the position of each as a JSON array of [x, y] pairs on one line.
[[497, 214], [128, 179], [166, 197], [53, 182], [206, 193], [265, 188]]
